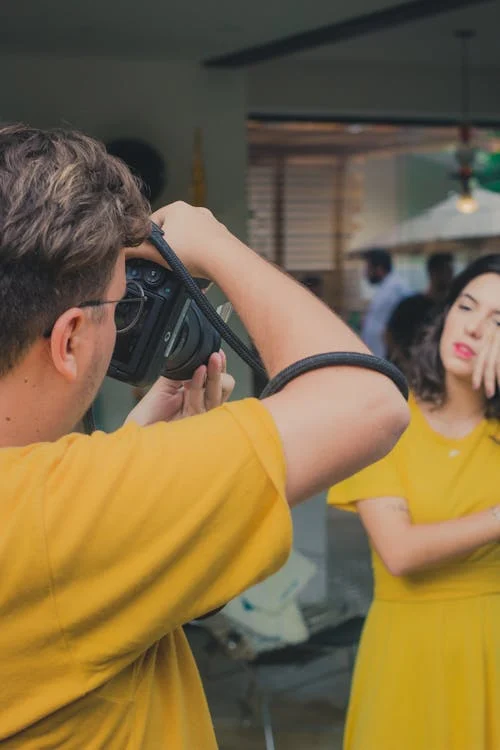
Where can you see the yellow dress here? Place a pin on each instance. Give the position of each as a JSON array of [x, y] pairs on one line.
[[428, 670]]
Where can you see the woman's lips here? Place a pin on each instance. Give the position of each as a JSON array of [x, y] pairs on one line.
[[463, 351]]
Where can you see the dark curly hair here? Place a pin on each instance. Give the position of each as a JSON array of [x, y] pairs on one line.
[[426, 372]]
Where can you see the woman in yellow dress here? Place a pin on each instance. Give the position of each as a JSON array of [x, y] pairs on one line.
[[428, 670]]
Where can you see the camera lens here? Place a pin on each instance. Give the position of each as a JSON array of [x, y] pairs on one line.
[[154, 276], [129, 309], [196, 342]]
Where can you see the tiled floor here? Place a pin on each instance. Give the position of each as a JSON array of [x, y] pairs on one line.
[[252, 739], [307, 702], [296, 726]]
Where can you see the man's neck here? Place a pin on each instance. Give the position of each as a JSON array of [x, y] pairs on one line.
[[30, 411]]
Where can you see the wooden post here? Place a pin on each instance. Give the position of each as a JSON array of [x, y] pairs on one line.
[[198, 181], [279, 211], [339, 230]]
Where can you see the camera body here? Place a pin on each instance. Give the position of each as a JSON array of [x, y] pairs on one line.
[[171, 337]]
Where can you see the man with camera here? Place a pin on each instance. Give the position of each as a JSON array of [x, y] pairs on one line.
[[111, 542]]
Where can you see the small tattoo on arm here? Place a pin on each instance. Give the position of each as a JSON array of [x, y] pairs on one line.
[[399, 506]]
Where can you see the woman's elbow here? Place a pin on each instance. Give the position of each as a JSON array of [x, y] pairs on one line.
[[396, 568], [397, 563]]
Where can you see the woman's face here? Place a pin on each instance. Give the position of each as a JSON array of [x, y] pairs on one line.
[[467, 324]]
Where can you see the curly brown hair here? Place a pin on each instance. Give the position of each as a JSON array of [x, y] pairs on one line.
[[66, 210], [426, 373]]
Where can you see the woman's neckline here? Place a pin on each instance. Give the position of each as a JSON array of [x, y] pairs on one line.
[[448, 439]]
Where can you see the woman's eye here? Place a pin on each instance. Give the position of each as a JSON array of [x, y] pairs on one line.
[[464, 307]]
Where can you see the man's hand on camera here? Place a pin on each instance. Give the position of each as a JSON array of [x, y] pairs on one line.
[[169, 400], [192, 232]]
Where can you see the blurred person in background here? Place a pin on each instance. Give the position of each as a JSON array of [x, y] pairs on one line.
[[428, 668], [440, 272], [390, 289]]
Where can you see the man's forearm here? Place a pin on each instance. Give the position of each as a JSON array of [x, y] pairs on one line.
[[285, 321]]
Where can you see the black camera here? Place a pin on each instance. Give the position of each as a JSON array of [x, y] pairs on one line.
[[160, 329]]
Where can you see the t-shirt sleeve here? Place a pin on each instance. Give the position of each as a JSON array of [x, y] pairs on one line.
[[381, 479], [149, 528]]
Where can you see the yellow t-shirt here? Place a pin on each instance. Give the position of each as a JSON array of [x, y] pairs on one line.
[[108, 545], [440, 478]]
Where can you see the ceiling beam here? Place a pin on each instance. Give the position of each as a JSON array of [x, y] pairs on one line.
[[369, 23], [373, 119]]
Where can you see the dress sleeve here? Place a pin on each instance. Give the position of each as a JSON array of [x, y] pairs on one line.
[[381, 479]]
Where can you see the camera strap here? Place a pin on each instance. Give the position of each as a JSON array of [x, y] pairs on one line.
[[315, 362]]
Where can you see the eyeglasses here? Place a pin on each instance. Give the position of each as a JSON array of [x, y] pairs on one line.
[[128, 310]]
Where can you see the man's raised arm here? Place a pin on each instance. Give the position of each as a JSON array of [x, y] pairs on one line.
[[332, 421]]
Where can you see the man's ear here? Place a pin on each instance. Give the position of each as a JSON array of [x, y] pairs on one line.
[[64, 343]]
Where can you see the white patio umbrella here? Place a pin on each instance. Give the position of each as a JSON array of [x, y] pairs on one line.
[[444, 224]]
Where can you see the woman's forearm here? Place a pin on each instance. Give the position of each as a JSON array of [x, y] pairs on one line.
[[406, 547]]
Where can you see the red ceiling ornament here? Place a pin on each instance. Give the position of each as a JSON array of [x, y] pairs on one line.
[[465, 152]]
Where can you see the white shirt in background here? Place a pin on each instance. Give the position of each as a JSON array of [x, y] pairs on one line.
[[387, 295]]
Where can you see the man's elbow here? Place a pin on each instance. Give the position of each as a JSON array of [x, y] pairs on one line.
[[391, 416], [398, 419]]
